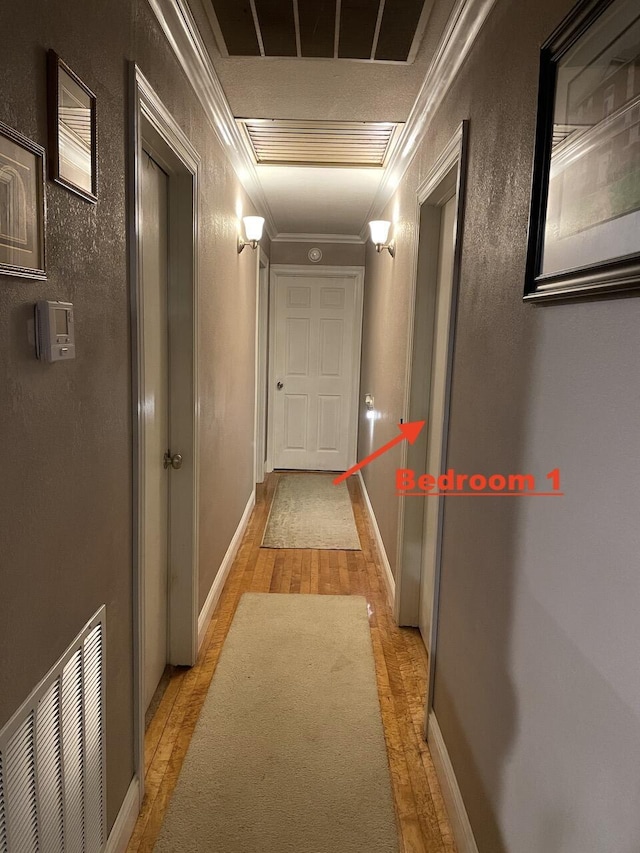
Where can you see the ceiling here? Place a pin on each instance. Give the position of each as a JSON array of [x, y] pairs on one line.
[[297, 86], [319, 200], [378, 30]]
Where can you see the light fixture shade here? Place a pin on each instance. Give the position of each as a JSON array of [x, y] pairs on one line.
[[253, 226], [379, 231]]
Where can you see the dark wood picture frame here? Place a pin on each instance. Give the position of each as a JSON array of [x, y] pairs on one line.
[[619, 276], [56, 67], [28, 182]]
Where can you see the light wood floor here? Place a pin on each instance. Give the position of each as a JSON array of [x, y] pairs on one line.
[[400, 659]]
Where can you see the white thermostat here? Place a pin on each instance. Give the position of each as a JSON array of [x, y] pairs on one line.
[[55, 335]]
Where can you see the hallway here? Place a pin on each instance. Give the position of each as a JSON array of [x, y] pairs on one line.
[[242, 237], [400, 660]]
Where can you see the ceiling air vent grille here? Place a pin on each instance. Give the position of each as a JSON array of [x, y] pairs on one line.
[[319, 143]]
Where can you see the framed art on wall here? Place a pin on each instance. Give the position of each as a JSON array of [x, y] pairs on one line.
[[72, 130], [584, 227], [22, 210]]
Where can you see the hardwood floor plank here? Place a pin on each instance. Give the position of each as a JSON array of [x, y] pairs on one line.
[[296, 571], [334, 573], [158, 723], [287, 571], [305, 571], [277, 572], [343, 573], [325, 573], [314, 586]]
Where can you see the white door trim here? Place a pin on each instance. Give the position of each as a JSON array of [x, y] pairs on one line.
[[409, 560], [152, 123], [355, 272], [262, 329]]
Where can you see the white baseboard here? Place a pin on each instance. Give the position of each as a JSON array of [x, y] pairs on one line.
[[388, 574], [223, 572], [456, 810], [122, 829]]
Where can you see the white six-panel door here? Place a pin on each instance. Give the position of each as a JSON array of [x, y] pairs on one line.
[[315, 366]]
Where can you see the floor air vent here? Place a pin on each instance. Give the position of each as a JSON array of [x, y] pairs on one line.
[[52, 756]]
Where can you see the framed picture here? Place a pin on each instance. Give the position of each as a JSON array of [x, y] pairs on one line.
[[72, 130], [584, 227], [22, 178]]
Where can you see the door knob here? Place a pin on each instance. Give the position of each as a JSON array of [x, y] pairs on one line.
[[175, 460], [280, 386]]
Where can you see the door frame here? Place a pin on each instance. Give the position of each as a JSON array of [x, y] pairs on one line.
[[357, 274], [262, 363], [153, 126], [411, 517]]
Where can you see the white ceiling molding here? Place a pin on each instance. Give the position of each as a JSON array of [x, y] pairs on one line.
[[178, 25], [463, 26], [318, 238]]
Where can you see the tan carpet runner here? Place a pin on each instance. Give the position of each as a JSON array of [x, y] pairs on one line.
[[308, 511], [288, 755]]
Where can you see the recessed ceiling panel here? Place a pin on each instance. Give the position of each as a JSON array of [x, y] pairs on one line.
[[277, 27], [358, 19], [317, 27], [376, 30], [236, 23], [314, 143], [399, 23]]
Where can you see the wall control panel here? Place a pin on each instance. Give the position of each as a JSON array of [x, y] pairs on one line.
[[55, 334]]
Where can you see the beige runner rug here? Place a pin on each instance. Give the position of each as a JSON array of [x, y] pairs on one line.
[[308, 511], [288, 755]]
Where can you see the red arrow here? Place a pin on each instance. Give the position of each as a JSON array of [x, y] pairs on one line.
[[409, 431]]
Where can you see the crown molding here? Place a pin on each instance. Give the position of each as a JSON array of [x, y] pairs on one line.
[[178, 25], [465, 22], [284, 237]]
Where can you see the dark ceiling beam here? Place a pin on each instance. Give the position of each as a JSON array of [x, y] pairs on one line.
[[317, 20], [357, 27], [236, 25], [399, 29], [276, 22]]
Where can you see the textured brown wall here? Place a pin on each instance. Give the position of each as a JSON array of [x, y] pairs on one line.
[[65, 502], [537, 689], [333, 254]]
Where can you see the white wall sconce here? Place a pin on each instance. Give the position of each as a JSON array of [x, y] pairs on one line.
[[380, 235], [253, 226]]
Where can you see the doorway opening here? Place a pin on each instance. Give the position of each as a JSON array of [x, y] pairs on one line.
[[164, 311], [154, 193], [440, 201]]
